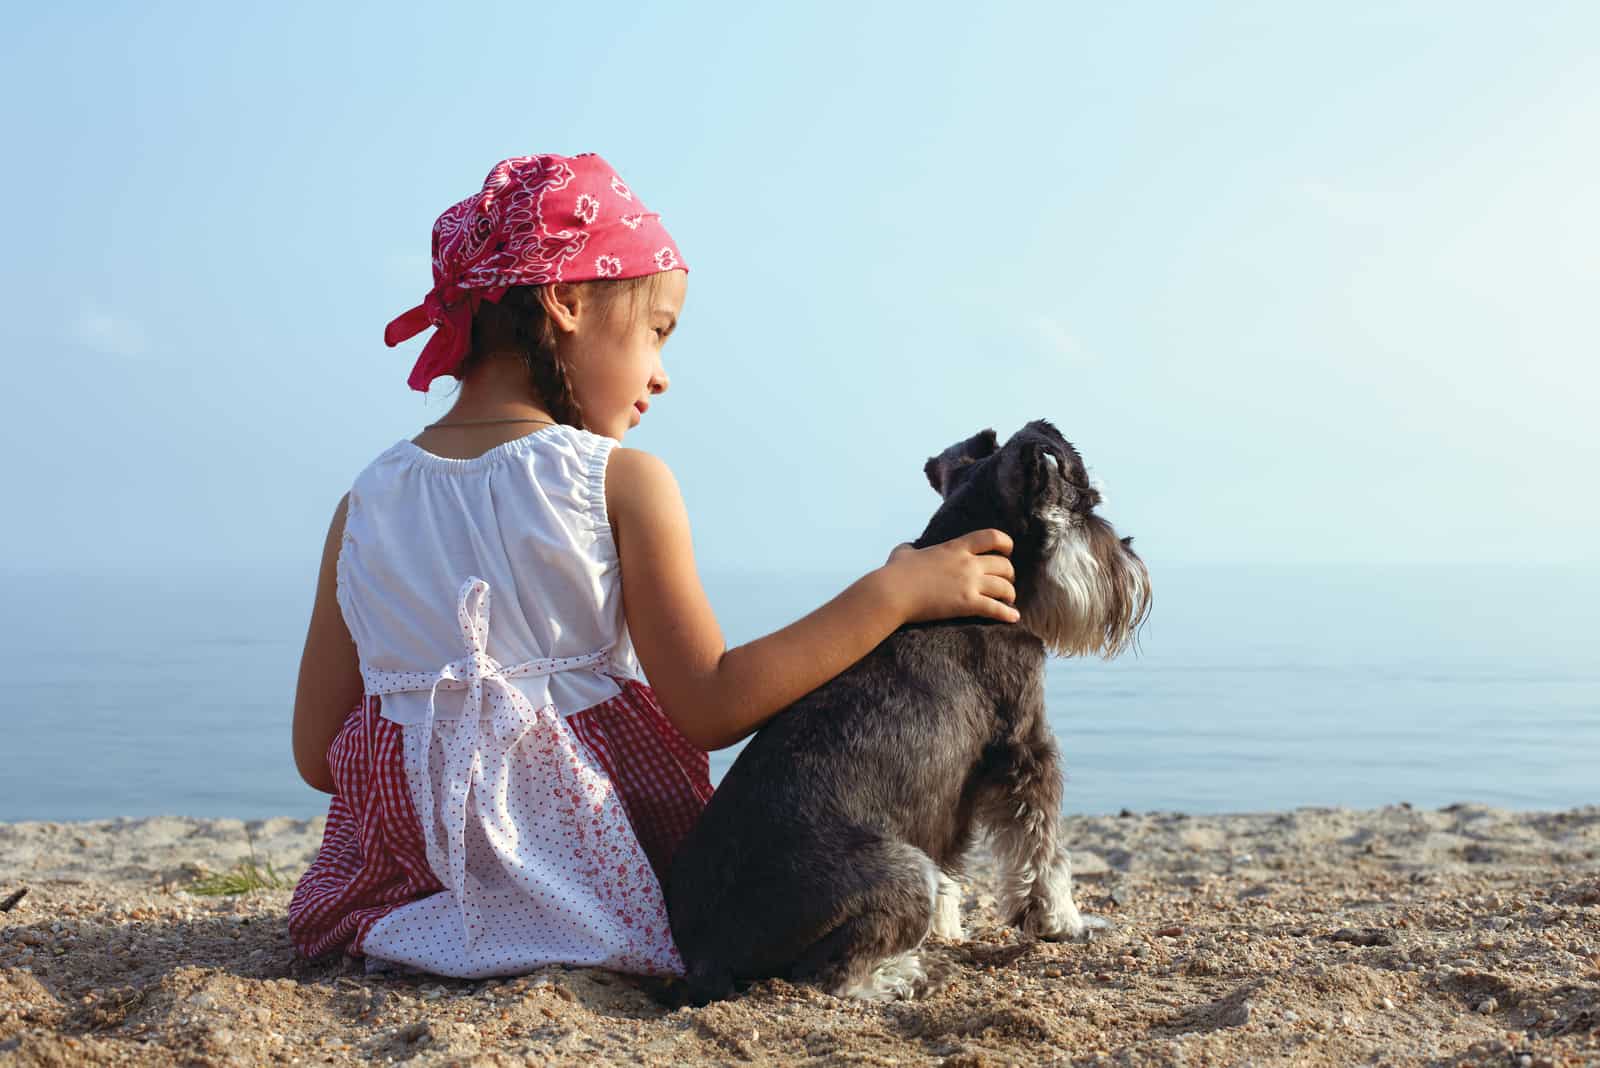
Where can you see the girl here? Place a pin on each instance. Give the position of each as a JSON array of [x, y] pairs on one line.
[[507, 789]]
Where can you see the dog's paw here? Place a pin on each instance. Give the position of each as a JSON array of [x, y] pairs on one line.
[[898, 978], [1057, 924]]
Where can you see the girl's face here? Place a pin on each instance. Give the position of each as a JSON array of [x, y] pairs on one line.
[[614, 360]]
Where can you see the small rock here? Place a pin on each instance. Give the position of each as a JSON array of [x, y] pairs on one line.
[[1386, 1003], [1290, 1016], [1499, 923], [1371, 936], [1173, 931], [1238, 1015], [1488, 1005], [413, 1033]]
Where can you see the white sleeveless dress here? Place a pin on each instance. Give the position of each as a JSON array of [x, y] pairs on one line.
[[485, 601]]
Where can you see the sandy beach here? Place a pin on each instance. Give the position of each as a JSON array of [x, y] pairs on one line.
[[1466, 935]]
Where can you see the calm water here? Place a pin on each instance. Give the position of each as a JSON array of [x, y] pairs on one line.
[[1256, 688]]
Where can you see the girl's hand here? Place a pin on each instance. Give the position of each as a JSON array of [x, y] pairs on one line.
[[960, 577], [715, 695]]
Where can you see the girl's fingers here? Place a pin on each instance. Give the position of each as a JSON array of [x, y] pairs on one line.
[[999, 589], [998, 609], [987, 541], [998, 565]]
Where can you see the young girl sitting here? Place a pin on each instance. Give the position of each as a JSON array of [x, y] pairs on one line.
[[507, 789]]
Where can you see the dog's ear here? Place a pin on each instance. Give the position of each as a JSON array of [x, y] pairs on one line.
[[941, 469], [1038, 475]]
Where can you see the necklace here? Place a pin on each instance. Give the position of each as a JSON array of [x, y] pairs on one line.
[[487, 422]]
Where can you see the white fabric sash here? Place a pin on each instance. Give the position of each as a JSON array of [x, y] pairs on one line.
[[511, 712]]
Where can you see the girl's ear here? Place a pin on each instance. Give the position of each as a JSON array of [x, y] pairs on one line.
[[562, 303]]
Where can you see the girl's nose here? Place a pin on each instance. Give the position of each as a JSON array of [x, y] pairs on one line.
[[659, 381]]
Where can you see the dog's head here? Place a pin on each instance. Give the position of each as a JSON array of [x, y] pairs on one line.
[[1080, 587]]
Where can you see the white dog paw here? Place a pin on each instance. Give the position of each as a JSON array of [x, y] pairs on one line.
[[1060, 925], [892, 980]]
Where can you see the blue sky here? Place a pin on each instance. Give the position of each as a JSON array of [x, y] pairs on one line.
[[1303, 282]]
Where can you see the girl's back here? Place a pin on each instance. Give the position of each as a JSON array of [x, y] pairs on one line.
[[529, 518], [501, 695]]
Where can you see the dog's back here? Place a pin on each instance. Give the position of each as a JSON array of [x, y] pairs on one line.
[[820, 806]]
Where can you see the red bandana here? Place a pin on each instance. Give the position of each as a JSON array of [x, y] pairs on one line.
[[539, 219]]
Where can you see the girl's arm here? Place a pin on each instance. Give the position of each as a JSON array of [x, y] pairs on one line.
[[716, 695], [330, 671]]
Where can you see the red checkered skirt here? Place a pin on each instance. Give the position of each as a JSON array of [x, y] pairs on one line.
[[373, 859]]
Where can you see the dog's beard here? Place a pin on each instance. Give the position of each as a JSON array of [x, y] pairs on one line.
[[1091, 594]]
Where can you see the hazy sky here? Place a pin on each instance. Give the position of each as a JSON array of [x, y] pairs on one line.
[[1303, 282]]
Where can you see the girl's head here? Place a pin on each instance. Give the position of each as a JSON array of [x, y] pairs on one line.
[[590, 352], [555, 262]]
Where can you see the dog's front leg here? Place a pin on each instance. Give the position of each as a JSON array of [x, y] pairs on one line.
[[1022, 810]]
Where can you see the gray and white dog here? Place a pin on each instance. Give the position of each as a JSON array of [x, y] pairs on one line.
[[832, 847]]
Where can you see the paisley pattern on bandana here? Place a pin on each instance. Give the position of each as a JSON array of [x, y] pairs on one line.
[[538, 219]]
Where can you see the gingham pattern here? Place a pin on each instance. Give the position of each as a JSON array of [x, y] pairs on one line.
[[663, 779], [373, 857]]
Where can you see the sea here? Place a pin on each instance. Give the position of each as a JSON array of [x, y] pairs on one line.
[[1253, 688]]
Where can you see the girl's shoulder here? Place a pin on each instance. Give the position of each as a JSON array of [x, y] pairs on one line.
[[639, 484]]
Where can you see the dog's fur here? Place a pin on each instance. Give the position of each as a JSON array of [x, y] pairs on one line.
[[831, 848]]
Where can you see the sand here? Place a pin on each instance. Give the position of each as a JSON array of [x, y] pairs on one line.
[[1467, 935]]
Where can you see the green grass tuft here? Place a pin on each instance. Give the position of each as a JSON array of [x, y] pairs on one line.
[[243, 878]]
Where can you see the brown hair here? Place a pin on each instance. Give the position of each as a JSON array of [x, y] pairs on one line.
[[518, 328]]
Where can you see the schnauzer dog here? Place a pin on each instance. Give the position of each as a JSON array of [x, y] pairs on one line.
[[832, 847]]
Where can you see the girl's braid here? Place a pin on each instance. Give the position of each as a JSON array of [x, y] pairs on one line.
[[518, 323], [536, 340]]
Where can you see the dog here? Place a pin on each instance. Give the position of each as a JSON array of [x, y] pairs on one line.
[[833, 846]]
